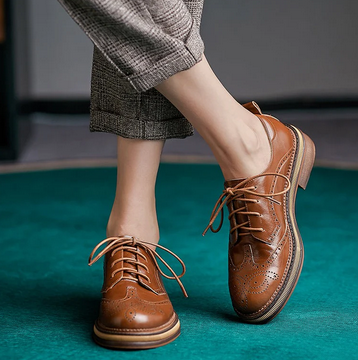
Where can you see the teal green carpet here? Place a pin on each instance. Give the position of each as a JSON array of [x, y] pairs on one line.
[[49, 297]]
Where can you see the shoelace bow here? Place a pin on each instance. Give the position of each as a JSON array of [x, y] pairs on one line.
[[236, 193], [129, 243]]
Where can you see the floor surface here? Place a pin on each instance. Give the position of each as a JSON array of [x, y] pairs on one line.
[[49, 297]]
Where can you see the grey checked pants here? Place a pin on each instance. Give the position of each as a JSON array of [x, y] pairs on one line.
[[137, 45]]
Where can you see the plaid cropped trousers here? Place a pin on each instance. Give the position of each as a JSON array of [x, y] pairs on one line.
[[137, 45]]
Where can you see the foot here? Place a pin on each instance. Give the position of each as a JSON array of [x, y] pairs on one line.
[[135, 311], [265, 246]]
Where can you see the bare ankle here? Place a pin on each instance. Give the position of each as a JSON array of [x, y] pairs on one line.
[[249, 152], [144, 230]]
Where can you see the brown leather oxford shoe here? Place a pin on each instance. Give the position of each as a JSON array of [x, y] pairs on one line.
[[265, 246], [135, 311]]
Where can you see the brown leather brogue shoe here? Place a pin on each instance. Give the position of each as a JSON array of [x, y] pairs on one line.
[[135, 311], [265, 245]]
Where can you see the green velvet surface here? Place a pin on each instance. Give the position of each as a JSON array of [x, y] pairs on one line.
[[51, 220]]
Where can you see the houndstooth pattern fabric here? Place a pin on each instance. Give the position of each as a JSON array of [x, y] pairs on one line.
[[138, 44], [146, 40]]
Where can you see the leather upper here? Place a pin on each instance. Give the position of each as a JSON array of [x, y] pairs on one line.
[[134, 297], [260, 242], [259, 258]]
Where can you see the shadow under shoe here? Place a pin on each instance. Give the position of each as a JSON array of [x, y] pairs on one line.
[[135, 311], [265, 246]]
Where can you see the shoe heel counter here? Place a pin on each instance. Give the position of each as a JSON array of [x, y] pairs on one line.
[[309, 155]]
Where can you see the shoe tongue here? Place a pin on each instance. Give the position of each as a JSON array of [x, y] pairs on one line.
[[233, 182], [129, 265], [142, 280]]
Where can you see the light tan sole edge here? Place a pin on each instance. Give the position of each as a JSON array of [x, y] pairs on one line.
[[136, 341]]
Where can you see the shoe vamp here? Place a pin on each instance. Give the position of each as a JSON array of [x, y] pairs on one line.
[[257, 272], [140, 309]]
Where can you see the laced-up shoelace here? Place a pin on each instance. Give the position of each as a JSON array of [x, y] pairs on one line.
[[129, 243], [236, 193]]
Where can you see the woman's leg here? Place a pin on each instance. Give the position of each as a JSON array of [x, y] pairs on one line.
[[235, 135], [134, 212], [138, 43], [135, 311], [263, 162]]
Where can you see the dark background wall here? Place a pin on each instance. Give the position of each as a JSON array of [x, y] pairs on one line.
[[259, 49]]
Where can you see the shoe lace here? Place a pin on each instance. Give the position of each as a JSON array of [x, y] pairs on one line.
[[129, 244], [237, 193]]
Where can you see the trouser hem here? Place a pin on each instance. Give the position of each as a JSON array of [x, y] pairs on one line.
[[102, 121], [171, 63]]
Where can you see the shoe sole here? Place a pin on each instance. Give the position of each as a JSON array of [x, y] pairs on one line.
[[136, 342], [303, 163]]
